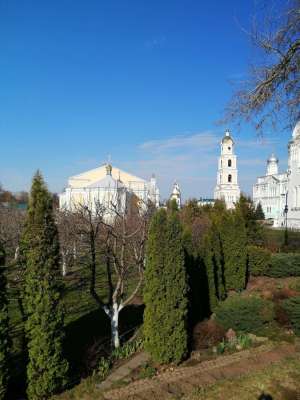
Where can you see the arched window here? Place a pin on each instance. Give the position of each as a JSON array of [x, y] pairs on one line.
[[229, 178], [229, 163]]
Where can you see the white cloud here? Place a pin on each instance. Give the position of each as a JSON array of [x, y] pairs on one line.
[[192, 159], [207, 139]]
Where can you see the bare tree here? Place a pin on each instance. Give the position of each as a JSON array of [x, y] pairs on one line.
[[271, 94], [68, 238], [11, 225], [117, 244]]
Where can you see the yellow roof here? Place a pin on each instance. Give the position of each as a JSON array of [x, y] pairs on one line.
[[89, 177]]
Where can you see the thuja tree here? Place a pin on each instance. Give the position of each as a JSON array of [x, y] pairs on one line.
[[259, 212], [4, 337], [165, 292], [246, 209], [234, 247], [214, 264], [47, 368]]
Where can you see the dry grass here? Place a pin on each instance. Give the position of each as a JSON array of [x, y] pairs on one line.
[[281, 381]]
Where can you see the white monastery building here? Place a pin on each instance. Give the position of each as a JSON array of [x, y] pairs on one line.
[[270, 191], [176, 194], [279, 193], [109, 187], [227, 188]]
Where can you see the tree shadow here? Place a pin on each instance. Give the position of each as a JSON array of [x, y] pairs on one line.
[[199, 305], [265, 396]]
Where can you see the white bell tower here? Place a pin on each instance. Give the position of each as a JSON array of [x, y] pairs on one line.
[[176, 194], [227, 188], [272, 165]]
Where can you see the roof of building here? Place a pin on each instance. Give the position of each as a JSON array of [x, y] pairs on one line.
[[272, 158], [96, 175], [227, 137]]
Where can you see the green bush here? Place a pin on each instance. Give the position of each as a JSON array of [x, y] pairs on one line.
[[259, 260], [292, 308], [244, 314], [165, 290], [283, 265]]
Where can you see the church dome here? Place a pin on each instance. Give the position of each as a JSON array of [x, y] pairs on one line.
[[296, 131], [227, 137], [272, 158]]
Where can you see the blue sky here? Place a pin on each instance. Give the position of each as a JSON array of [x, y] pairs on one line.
[[143, 81]]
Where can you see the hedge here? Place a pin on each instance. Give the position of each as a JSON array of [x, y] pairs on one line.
[[245, 314], [259, 260], [292, 308], [283, 265]]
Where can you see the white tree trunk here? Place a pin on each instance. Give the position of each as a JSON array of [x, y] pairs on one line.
[[114, 322], [17, 252], [64, 264], [74, 252], [113, 313]]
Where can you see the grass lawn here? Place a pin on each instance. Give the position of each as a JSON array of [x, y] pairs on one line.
[[87, 326]]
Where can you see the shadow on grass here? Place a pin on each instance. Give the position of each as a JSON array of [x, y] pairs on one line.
[[88, 338]]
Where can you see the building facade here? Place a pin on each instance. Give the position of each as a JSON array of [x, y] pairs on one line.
[[270, 191], [176, 194], [109, 188], [293, 194], [279, 193], [227, 187]]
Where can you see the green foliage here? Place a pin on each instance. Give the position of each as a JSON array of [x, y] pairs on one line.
[[246, 209], [4, 330], [225, 255], [292, 308], [147, 371], [104, 367], [213, 260], [274, 240], [259, 213], [244, 314], [234, 247], [283, 265], [127, 350], [241, 342], [295, 284], [259, 260], [172, 205], [47, 368], [165, 292]]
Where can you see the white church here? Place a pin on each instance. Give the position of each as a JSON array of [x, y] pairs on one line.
[[279, 193], [107, 187], [227, 188]]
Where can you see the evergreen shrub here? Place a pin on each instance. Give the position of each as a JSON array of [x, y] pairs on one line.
[[292, 308], [283, 265], [39, 253], [165, 291], [259, 260], [244, 314]]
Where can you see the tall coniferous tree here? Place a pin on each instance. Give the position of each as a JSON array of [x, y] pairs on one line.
[[4, 330], [47, 369], [165, 292], [234, 247], [214, 264], [259, 212]]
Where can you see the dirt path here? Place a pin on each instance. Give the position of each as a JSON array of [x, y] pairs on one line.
[[173, 384]]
